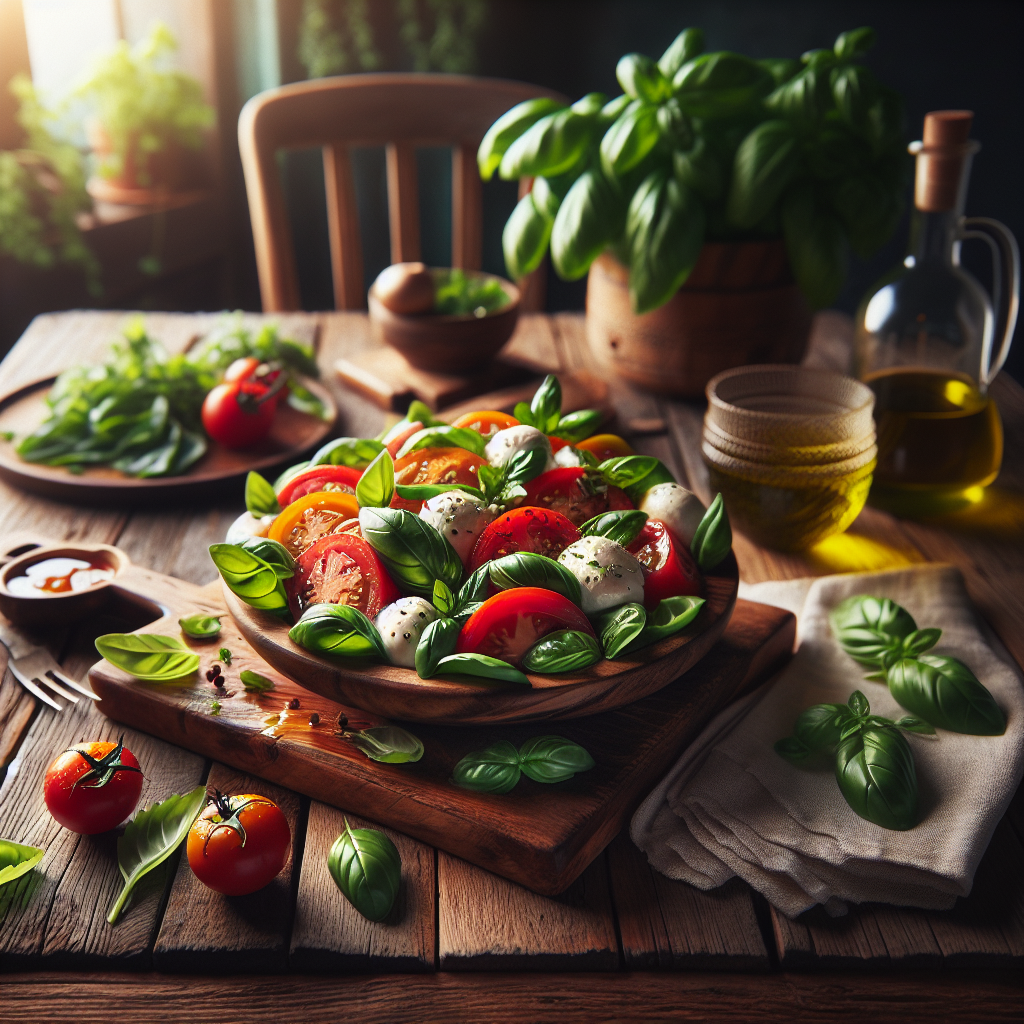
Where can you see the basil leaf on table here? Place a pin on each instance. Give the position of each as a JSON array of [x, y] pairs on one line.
[[260, 497], [497, 769], [151, 837], [575, 426], [200, 627], [414, 553], [507, 129], [355, 452], [818, 728], [623, 527], [424, 492], [437, 641], [619, 627], [878, 613], [946, 693], [483, 666], [250, 578], [494, 770], [553, 759], [254, 682], [338, 630], [148, 656], [444, 437], [712, 541], [876, 775], [367, 867], [387, 743], [376, 487], [566, 650], [17, 860], [274, 553], [526, 569]]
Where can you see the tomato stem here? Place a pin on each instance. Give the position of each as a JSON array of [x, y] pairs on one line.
[[102, 769]]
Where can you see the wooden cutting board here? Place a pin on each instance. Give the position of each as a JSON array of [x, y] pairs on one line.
[[542, 836]]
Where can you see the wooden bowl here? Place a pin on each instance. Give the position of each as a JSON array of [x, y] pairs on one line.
[[394, 692], [447, 344], [58, 609]]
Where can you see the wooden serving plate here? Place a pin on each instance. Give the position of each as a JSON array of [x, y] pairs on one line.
[[395, 692], [292, 435]]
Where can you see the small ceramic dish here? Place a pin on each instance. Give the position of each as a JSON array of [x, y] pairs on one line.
[[782, 455], [447, 344], [57, 608]]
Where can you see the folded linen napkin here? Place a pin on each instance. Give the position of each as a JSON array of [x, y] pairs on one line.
[[732, 806]]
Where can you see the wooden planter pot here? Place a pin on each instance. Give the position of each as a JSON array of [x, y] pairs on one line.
[[740, 305]]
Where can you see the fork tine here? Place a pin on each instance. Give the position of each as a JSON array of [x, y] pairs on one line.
[[54, 674], [63, 691], [31, 686]]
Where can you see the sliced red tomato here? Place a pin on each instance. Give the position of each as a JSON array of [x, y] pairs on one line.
[[394, 444], [556, 443], [325, 479], [572, 493], [605, 446], [524, 529], [341, 569], [670, 568], [435, 466], [312, 517], [486, 421], [507, 625]]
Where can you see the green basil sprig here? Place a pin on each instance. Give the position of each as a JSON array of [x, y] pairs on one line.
[[376, 487], [250, 578], [274, 553], [501, 484], [199, 626], [414, 553], [576, 426], [436, 642], [627, 470], [545, 409], [148, 656], [713, 539], [497, 769], [367, 867], [151, 837], [526, 569], [338, 630], [387, 743], [260, 498], [424, 492], [877, 613], [225, 655], [17, 859], [622, 527], [254, 682], [444, 437], [629, 628], [355, 452], [481, 666], [566, 650], [509, 127]]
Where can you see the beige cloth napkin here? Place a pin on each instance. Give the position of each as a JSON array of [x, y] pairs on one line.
[[732, 806]]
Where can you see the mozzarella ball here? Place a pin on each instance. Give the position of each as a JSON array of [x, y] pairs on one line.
[[609, 575], [401, 625], [459, 518], [246, 526], [679, 509], [569, 457], [513, 440]]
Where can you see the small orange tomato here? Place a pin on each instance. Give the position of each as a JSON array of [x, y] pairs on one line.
[[486, 421], [435, 466], [605, 446], [309, 518]]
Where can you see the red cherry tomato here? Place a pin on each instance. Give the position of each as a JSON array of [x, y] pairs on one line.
[[557, 443], [242, 369], [507, 625], [671, 570], [93, 787], [570, 492], [238, 844], [341, 569], [319, 478], [435, 466], [238, 414], [524, 529]]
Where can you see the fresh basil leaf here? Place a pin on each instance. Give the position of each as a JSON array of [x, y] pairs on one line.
[[911, 724], [920, 641], [17, 860], [524, 414], [551, 146], [445, 436], [566, 650], [376, 487], [792, 749], [765, 162], [524, 239], [623, 527], [626, 470], [303, 400], [338, 630], [854, 43], [355, 452], [387, 743], [274, 553], [659, 475], [619, 627], [151, 837], [712, 541], [820, 727], [876, 775], [878, 613], [443, 598], [576, 426], [437, 641], [546, 405], [476, 589], [260, 499], [507, 129], [424, 492], [526, 569], [250, 578], [945, 692], [483, 666], [413, 552], [523, 467], [224, 655], [588, 220], [466, 612], [719, 85], [687, 45], [200, 627], [858, 704], [494, 770], [814, 243], [553, 759], [642, 79], [630, 138], [672, 615], [367, 867], [254, 682], [148, 656]]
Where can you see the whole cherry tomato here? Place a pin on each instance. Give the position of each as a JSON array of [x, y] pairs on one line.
[[535, 530], [239, 843], [93, 787], [670, 568], [572, 493], [251, 369], [239, 414]]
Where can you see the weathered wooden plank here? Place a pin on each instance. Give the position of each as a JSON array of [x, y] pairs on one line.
[[669, 924], [330, 935], [202, 931], [17, 706], [488, 923]]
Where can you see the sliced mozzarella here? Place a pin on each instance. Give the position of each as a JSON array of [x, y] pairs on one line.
[[679, 509], [459, 518], [400, 626], [513, 440], [246, 526], [609, 575]]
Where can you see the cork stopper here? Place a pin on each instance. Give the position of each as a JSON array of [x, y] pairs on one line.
[[942, 155]]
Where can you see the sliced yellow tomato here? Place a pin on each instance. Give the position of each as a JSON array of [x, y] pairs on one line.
[[435, 466], [486, 421], [313, 517], [605, 446]]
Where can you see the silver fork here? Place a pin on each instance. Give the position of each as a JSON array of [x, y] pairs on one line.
[[33, 666]]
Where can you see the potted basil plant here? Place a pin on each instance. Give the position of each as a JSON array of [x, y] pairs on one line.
[[711, 204]]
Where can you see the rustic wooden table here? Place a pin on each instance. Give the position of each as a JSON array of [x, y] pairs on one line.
[[623, 943]]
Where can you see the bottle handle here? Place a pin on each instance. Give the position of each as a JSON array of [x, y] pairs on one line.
[[1005, 266]]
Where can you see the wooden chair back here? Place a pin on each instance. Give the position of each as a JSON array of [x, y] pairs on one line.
[[397, 111]]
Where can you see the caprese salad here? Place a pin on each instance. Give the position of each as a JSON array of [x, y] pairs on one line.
[[483, 549]]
